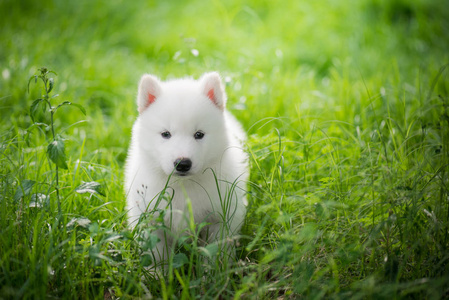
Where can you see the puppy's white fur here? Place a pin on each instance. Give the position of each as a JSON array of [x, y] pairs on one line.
[[214, 183]]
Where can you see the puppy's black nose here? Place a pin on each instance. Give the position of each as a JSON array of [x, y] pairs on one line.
[[183, 164]]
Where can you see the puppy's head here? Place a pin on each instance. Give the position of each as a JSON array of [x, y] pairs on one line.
[[181, 123]]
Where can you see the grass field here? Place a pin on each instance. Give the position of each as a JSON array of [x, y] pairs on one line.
[[346, 105]]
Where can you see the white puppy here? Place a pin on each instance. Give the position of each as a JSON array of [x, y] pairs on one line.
[[185, 139]]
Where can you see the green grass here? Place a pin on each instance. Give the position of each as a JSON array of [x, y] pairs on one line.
[[346, 105]]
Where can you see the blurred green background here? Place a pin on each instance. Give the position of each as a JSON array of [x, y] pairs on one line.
[[272, 53]]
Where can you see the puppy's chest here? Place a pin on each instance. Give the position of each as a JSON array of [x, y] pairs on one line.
[[198, 197], [200, 204]]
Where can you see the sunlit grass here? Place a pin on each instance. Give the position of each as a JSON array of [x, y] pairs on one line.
[[346, 107]]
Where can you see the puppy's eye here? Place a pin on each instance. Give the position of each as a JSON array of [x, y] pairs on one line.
[[166, 134], [198, 135]]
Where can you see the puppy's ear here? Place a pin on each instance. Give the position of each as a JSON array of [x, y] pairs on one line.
[[149, 91], [212, 87]]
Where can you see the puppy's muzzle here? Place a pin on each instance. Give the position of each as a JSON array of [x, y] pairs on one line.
[[182, 166]]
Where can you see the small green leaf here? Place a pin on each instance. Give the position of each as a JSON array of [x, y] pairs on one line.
[[34, 106], [80, 107], [56, 153], [51, 83], [29, 81], [24, 189], [62, 104], [179, 260], [90, 187]]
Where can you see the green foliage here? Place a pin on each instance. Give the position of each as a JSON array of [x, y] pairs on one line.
[[55, 152], [55, 148], [347, 110]]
